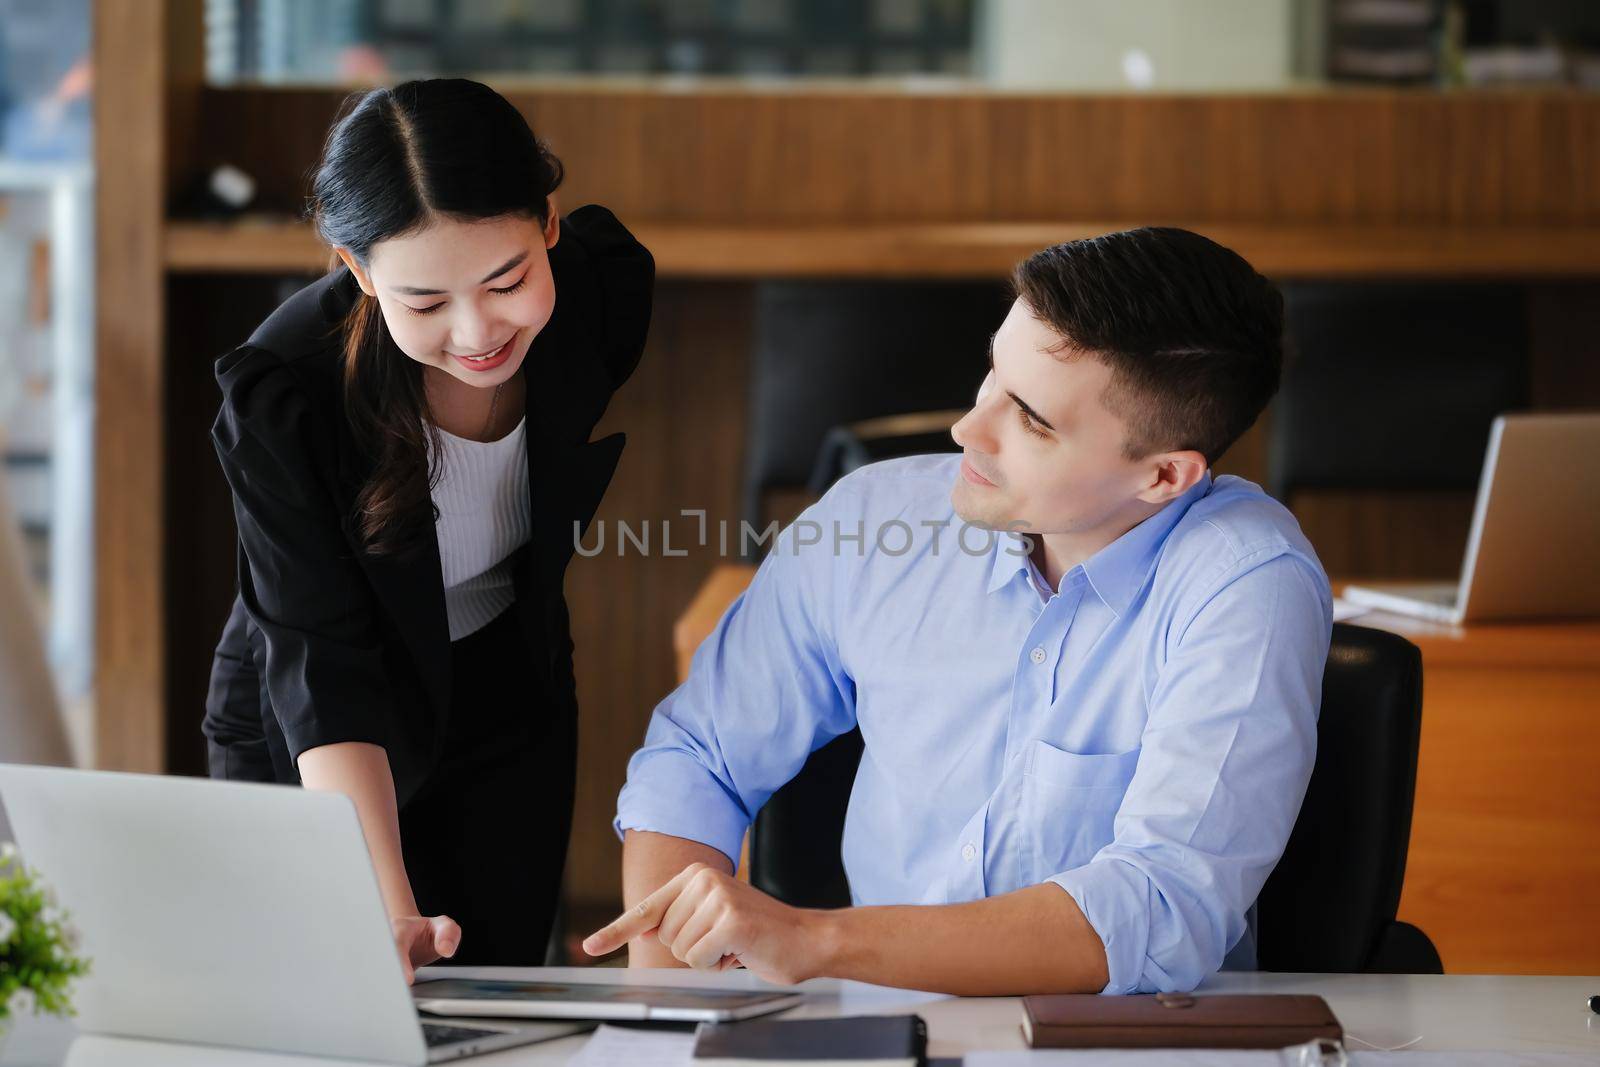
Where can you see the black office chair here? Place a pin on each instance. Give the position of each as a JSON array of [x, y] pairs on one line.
[[1394, 386], [840, 354], [845, 448], [1330, 904]]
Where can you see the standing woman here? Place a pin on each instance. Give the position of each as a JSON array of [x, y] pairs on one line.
[[407, 441]]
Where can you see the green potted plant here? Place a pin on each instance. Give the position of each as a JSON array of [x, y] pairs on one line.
[[38, 946]]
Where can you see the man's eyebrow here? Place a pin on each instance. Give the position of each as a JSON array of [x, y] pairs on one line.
[[514, 261], [1032, 414]]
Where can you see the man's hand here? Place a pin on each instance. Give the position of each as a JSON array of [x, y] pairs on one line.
[[650, 861], [422, 939], [712, 921]]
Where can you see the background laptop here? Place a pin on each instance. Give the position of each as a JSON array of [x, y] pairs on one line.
[[230, 914], [1534, 549]]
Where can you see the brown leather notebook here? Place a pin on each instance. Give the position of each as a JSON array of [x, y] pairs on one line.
[[1168, 1020]]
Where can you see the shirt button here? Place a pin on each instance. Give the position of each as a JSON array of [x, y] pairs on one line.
[[1037, 655], [968, 853]]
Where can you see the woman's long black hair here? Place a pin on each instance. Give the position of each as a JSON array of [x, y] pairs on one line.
[[395, 161]]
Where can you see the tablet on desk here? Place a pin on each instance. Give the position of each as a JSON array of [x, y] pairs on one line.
[[583, 1000]]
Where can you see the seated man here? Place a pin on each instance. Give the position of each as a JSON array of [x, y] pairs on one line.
[[1087, 674]]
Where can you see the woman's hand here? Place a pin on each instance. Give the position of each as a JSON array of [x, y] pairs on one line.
[[422, 939]]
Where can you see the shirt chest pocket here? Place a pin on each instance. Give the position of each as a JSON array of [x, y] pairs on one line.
[[1069, 805]]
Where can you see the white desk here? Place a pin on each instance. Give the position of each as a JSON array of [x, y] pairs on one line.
[[1451, 1012]]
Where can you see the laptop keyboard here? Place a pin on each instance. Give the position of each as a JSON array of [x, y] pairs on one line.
[[438, 1034], [1443, 594]]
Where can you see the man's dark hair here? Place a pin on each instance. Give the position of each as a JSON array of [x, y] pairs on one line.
[[1192, 334]]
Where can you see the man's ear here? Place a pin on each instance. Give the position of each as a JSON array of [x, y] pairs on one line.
[[1172, 474], [363, 279], [552, 226]]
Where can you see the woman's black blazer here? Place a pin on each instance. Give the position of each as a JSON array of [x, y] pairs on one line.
[[327, 643]]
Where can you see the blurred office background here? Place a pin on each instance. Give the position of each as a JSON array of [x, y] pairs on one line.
[[835, 191]]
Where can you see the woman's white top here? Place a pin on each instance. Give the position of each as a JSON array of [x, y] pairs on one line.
[[482, 497]]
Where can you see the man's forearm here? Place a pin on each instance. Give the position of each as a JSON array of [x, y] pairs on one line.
[[1035, 940], [650, 861]]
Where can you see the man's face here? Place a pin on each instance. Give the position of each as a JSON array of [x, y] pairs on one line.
[[1042, 453]]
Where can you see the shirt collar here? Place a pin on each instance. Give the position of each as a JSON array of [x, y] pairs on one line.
[[1118, 571]]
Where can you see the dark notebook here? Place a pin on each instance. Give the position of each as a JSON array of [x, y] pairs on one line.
[[1167, 1020], [869, 1040]]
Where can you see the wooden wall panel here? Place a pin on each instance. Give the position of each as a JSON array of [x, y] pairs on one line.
[[797, 155], [683, 412], [1392, 535], [130, 634]]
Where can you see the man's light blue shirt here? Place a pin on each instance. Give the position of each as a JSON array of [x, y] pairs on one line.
[[1141, 736]]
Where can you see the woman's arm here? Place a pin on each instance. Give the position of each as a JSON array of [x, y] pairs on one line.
[[361, 772], [325, 672]]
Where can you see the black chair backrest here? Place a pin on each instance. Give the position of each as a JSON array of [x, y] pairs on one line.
[[828, 354], [1394, 386], [1332, 895], [1337, 887]]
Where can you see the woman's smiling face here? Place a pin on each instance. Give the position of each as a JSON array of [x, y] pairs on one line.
[[465, 297]]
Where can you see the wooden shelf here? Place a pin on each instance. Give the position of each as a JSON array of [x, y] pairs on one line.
[[252, 246], [944, 250]]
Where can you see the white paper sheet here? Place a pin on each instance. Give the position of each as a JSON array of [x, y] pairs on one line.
[[621, 1046]]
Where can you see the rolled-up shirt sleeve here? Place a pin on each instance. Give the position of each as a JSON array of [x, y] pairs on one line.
[[765, 689], [1224, 762]]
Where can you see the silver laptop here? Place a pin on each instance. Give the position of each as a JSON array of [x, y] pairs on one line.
[[1534, 549], [230, 914]]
